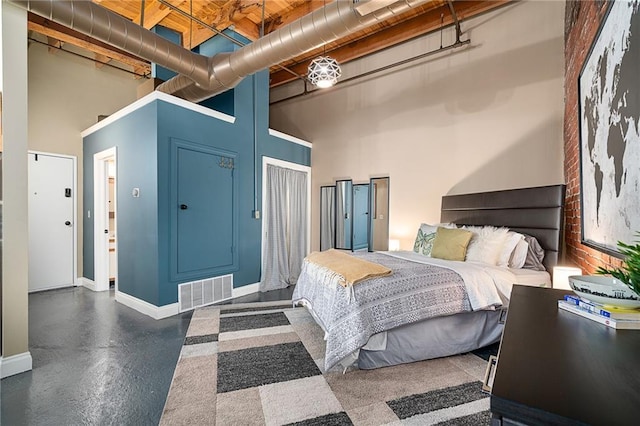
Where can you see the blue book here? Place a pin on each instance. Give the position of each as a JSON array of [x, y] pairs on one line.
[[607, 312], [609, 322]]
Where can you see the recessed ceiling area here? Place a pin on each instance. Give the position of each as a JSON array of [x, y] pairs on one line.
[[195, 21]]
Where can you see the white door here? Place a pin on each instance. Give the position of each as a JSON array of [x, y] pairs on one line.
[[51, 221], [104, 223]]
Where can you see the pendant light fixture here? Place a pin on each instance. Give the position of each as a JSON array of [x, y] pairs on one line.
[[324, 71]]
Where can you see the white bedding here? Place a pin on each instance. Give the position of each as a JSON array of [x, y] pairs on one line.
[[531, 277], [487, 286], [350, 317]]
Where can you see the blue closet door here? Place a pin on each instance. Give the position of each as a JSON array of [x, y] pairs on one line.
[[204, 206], [360, 216]]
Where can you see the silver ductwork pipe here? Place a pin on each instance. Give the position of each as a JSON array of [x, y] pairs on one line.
[[325, 25], [102, 24], [201, 77]]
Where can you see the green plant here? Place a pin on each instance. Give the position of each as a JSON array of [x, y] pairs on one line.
[[629, 273]]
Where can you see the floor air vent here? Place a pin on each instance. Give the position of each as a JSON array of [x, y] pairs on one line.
[[204, 292]]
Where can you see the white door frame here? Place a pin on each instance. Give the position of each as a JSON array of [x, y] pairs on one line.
[[288, 165], [74, 159], [101, 217]]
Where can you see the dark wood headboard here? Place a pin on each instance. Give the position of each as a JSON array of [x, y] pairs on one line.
[[538, 212]]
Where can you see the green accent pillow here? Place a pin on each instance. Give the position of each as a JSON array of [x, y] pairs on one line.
[[451, 244], [424, 240]]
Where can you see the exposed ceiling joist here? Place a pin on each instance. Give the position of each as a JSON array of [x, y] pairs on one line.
[[201, 34], [101, 60], [194, 20], [154, 13], [54, 44], [407, 30], [67, 35], [298, 12], [228, 16]]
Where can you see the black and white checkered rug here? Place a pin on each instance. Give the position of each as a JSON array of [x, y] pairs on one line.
[[261, 364]]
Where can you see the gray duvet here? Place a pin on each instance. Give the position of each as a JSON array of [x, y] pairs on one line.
[[350, 316]]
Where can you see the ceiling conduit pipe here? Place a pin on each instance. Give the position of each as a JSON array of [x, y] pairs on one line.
[[100, 23], [202, 77], [324, 25]]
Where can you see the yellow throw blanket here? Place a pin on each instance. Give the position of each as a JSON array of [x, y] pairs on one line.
[[349, 269]]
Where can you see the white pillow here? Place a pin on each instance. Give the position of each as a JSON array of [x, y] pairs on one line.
[[519, 255], [486, 244], [513, 238]]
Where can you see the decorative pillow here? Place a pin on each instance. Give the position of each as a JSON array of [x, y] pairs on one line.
[[512, 240], [451, 244], [519, 255], [486, 244], [535, 254], [425, 237]]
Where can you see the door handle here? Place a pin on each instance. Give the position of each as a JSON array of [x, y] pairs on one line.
[[183, 207], [106, 231], [67, 223]]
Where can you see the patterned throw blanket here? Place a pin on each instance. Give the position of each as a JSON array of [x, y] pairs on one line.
[[327, 266], [414, 292]]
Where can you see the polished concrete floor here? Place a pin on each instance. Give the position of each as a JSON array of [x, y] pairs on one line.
[[96, 362]]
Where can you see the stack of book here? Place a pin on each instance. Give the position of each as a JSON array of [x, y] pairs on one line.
[[612, 317]]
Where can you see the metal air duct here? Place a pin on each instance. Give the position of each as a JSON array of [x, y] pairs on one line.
[[100, 23], [201, 77], [324, 25]]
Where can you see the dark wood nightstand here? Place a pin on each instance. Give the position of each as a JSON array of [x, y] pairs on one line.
[[557, 368]]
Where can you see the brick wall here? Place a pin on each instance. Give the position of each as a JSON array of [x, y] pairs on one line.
[[582, 20]]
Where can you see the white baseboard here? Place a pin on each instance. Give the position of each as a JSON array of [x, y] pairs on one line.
[[155, 312], [15, 364], [54, 287], [86, 282], [246, 289]]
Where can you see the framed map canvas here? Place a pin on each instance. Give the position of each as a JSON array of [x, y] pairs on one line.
[[609, 95]]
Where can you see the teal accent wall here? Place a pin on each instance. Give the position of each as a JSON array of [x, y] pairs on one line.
[[222, 44], [271, 146], [135, 139], [224, 102], [145, 229], [175, 122], [158, 71]]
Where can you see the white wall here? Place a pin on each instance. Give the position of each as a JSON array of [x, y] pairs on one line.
[[66, 95], [488, 117]]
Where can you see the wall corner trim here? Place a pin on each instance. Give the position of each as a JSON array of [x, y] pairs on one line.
[[245, 289], [153, 96], [155, 312], [290, 138], [15, 364], [86, 282]]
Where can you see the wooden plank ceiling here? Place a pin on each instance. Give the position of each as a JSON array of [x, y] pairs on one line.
[[246, 18]]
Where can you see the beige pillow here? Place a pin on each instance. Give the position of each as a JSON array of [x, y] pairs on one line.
[[451, 244]]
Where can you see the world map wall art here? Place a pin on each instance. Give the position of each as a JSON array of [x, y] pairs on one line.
[[609, 94]]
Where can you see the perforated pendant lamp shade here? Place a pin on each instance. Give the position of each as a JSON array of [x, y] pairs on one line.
[[324, 72]]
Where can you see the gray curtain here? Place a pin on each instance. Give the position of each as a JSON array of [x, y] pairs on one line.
[[340, 212], [285, 243], [327, 217]]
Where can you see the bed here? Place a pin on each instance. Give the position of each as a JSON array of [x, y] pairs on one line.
[[459, 307]]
